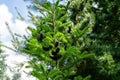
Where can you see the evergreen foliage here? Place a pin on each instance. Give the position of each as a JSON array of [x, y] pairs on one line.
[[76, 41]]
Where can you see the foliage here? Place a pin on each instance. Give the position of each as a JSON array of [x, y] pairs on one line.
[[15, 73], [76, 41], [3, 66], [32, 6]]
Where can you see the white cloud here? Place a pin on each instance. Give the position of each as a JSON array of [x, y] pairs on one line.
[[17, 26], [5, 15]]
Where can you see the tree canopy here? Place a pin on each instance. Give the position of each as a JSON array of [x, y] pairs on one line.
[[78, 40]]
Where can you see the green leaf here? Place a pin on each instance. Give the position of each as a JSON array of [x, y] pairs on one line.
[[47, 5], [42, 8], [64, 17], [67, 24], [84, 30], [43, 69], [73, 51], [87, 78], [28, 66], [31, 29], [55, 73], [85, 55], [46, 27], [78, 78], [57, 2], [58, 77], [42, 77], [61, 37]]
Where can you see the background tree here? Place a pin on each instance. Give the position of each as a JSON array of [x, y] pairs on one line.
[[3, 66], [104, 36]]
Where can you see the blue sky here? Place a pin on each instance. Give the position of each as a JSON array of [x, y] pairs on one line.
[[20, 4]]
